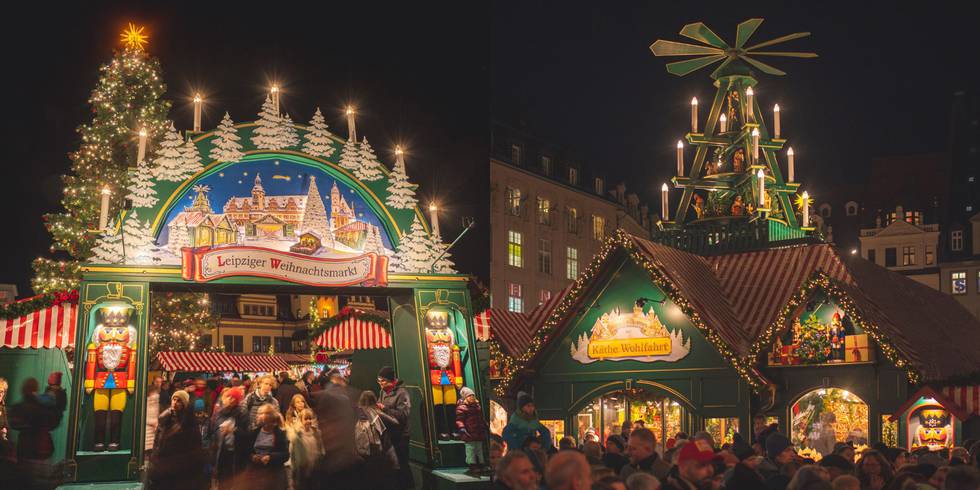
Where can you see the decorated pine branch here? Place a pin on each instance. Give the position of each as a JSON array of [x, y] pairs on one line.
[[30, 305]]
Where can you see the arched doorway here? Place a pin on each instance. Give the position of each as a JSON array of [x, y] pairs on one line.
[[604, 415], [824, 416]]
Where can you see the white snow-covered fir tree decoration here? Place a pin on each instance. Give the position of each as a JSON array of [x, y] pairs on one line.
[[290, 137], [141, 192], [444, 264], [368, 167], [373, 242], [168, 162], [137, 239], [227, 147], [268, 134], [415, 252], [108, 247], [350, 157], [401, 192], [315, 214], [191, 162], [318, 142]]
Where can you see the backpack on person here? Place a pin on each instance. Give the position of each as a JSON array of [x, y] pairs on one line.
[[367, 434]]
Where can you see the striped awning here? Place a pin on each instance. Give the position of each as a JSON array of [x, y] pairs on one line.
[[195, 361], [259, 363], [481, 323], [354, 333], [967, 397], [52, 327]]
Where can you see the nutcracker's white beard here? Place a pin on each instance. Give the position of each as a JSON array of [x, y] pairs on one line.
[[111, 356], [442, 354]]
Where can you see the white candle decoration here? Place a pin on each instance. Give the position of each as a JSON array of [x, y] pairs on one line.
[[806, 209], [680, 158], [274, 92], [776, 129], [791, 167], [694, 115], [351, 128], [434, 219], [755, 145], [663, 202], [104, 209], [722, 124], [749, 107], [141, 150], [762, 187], [197, 112]]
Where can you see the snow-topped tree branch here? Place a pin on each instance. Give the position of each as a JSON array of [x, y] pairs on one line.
[[227, 146], [401, 192], [268, 134], [137, 239], [318, 142], [416, 251], [368, 167], [169, 160], [290, 137], [350, 157], [108, 247], [141, 191], [191, 161]]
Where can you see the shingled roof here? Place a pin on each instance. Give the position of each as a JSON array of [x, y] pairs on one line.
[[739, 296]]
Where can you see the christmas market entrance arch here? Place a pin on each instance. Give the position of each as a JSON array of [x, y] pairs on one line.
[[265, 221]]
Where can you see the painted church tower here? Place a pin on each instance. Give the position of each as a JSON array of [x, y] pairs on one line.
[[258, 194]]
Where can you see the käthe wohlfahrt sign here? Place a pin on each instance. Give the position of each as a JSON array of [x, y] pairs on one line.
[[209, 263]]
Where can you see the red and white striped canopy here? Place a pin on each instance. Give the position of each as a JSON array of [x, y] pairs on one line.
[[967, 397], [195, 361], [354, 333], [52, 327], [481, 323], [260, 363]]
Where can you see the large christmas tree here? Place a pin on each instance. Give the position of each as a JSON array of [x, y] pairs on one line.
[[127, 97], [179, 321]]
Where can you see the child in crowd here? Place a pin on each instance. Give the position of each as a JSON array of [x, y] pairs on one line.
[[472, 429]]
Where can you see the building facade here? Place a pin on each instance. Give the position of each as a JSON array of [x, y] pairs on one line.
[[258, 323], [904, 244], [547, 218]]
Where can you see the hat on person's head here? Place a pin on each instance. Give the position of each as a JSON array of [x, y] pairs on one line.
[[837, 461], [741, 449], [387, 373], [54, 379], [775, 444], [698, 450], [616, 440], [523, 399], [465, 392], [184, 397], [236, 393]]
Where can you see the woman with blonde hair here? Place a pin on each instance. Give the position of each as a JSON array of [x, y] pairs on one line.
[[296, 406], [268, 450], [260, 396], [305, 448]]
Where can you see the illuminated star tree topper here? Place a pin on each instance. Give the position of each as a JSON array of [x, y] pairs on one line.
[[134, 37]]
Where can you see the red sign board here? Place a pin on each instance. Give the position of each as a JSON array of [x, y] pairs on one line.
[[209, 263]]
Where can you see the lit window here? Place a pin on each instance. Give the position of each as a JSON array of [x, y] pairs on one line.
[[572, 176], [958, 282], [544, 255], [600, 186], [544, 211], [908, 255], [543, 296], [515, 298], [930, 255], [571, 262], [917, 218], [956, 240], [515, 154], [909, 217], [572, 220], [598, 227], [515, 256], [545, 164], [513, 201]]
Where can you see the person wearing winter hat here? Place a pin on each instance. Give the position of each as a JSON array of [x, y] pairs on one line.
[[614, 457], [394, 402], [525, 424], [837, 465], [178, 459], [694, 467], [472, 428], [779, 454]]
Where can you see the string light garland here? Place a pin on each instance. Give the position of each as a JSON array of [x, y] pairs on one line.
[[39, 302], [821, 282], [179, 320]]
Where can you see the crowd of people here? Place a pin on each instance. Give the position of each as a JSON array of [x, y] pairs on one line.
[[524, 458]]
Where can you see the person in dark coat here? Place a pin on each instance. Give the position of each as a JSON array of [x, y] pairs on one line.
[[614, 457], [35, 416], [777, 467], [178, 458], [472, 428], [288, 388], [267, 451], [394, 402], [228, 431]]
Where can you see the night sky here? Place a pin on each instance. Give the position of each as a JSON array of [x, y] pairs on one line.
[[585, 77], [416, 72], [432, 74]]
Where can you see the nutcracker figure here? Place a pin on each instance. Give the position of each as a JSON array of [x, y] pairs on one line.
[[110, 373], [934, 431], [444, 369], [836, 335]]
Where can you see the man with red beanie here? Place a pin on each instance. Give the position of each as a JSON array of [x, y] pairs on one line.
[[226, 431], [694, 467]]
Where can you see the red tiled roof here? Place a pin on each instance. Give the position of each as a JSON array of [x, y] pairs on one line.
[[513, 331]]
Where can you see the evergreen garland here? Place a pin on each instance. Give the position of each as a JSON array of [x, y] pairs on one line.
[[30, 305], [319, 326]]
